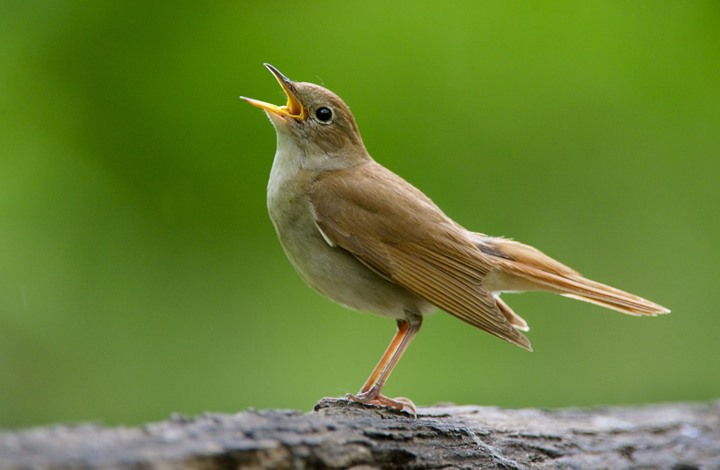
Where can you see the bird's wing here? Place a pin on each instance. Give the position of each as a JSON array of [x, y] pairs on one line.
[[408, 241]]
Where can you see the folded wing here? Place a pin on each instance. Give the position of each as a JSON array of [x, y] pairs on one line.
[[409, 242]]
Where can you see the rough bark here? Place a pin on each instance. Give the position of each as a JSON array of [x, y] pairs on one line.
[[340, 434]]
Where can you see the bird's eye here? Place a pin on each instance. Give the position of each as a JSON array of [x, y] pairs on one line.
[[323, 115]]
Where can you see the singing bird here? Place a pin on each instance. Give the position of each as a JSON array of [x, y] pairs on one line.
[[364, 237]]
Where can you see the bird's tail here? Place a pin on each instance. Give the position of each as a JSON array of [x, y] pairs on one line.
[[530, 267]]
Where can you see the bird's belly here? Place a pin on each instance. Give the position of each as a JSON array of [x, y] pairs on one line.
[[337, 274]]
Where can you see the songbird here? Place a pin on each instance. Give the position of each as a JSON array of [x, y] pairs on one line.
[[364, 237]]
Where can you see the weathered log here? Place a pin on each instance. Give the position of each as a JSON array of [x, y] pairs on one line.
[[341, 434]]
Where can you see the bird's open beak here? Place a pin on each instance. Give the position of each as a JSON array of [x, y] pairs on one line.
[[293, 108]]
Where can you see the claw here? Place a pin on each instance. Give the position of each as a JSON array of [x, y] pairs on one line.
[[407, 405]]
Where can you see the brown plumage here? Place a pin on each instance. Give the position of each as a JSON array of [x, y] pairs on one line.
[[364, 237], [410, 242]]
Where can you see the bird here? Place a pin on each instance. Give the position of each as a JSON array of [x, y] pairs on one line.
[[364, 237]]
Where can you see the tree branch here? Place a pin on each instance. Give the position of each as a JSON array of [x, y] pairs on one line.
[[341, 434]]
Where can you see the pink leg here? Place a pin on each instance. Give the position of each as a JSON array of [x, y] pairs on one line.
[[370, 392]]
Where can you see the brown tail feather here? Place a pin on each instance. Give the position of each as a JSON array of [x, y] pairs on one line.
[[586, 290], [515, 320], [605, 304], [547, 274]]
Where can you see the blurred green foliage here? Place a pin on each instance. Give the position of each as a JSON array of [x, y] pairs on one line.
[[140, 275]]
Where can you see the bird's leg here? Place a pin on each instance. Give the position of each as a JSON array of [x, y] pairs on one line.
[[370, 392]]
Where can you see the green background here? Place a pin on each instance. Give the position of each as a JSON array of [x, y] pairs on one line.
[[140, 275]]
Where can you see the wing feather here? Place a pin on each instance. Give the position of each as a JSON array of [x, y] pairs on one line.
[[409, 242]]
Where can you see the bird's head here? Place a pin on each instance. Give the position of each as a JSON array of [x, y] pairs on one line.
[[316, 123]]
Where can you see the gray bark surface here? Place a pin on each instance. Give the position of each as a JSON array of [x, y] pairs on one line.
[[340, 434]]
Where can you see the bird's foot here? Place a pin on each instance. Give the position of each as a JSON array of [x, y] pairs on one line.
[[400, 403]]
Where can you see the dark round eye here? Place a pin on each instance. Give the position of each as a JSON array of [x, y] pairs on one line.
[[323, 114]]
